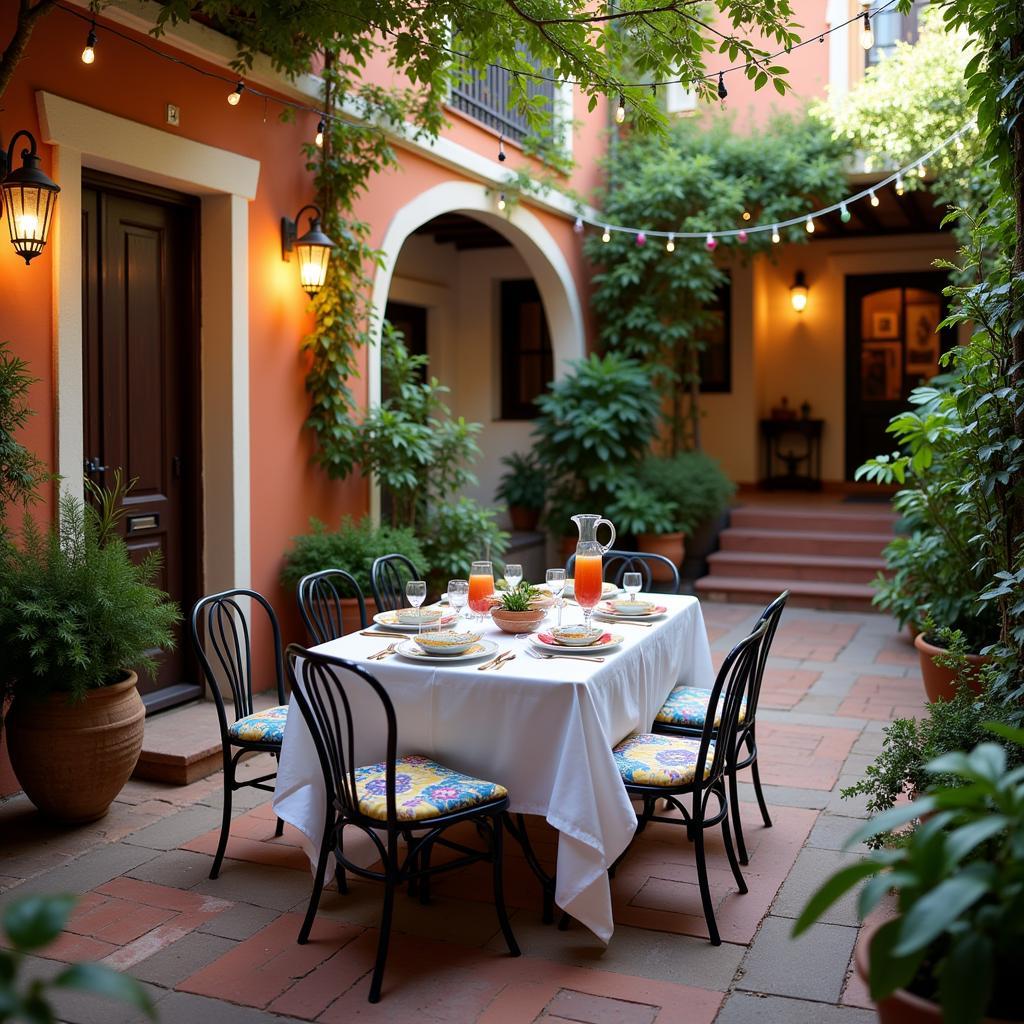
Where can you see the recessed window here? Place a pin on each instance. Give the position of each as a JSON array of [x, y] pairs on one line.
[[526, 363], [715, 360], [890, 27]]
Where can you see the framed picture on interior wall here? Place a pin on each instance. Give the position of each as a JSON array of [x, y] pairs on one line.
[[923, 339], [885, 323], [881, 377]]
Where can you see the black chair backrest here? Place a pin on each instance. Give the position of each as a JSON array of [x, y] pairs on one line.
[[226, 655], [770, 617], [724, 703], [388, 577], [323, 687], [320, 595], [617, 563]]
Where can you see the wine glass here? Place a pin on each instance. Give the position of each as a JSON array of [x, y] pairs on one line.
[[458, 595], [416, 592], [555, 579], [513, 576], [481, 587], [631, 583]]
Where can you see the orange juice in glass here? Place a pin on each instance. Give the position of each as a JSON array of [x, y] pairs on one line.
[[481, 587]]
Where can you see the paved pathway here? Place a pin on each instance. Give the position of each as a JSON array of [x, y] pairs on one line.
[[225, 951]]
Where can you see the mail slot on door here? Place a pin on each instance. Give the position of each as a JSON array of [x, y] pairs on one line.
[[139, 524]]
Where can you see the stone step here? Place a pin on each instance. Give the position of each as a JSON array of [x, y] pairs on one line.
[[857, 545], [807, 519], [849, 597], [773, 566]]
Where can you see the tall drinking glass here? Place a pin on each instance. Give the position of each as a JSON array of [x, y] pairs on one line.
[[416, 592], [631, 583], [481, 587], [513, 576], [458, 595], [555, 579]]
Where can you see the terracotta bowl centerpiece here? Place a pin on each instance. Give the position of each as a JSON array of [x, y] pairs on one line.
[[517, 611]]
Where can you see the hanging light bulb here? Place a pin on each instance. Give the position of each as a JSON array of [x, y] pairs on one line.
[[775, 234], [606, 236], [89, 53], [746, 215], [578, 226], [234, 98], [711, 243], [641, 239], [741, 237], [867, 37], [900, 186], [844, 213], [670, 245], [320, 129], [502, 156], [501, 201], [810, 225], [722, 91], [620, 110], [922, 171], [874, 198]]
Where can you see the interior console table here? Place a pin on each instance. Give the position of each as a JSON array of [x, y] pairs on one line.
[[792, 454]]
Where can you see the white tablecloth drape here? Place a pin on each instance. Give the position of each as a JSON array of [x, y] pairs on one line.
[[543, 729]]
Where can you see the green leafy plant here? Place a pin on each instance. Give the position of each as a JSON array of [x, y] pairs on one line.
[[75, 610], [352, 546], [32, 923], [21, 471], [524, 482], [959, 883], [457, 533], [693, 481], [634, 509], [518, 598]]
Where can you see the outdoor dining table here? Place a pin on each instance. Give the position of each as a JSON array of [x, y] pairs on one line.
[[544, 729]]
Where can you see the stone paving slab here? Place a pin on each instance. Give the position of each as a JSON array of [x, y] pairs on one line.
[[748, 1008]]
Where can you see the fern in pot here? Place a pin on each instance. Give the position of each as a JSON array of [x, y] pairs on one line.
[[78, 619]]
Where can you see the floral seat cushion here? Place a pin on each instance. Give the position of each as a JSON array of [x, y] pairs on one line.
[[688, 705], [423, 789], [650, 759], [261, 726]]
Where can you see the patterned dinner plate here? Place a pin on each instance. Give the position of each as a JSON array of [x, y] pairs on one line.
[[483, 649], [607, 613], [546, 642], [389, 620]]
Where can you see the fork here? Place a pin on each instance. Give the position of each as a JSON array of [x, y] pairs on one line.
[[381, 655], [498, 661], [572, 657]]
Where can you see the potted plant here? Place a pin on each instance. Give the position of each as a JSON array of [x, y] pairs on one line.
[[516, 611], [651, 519], [78, 617], [947, 662], [952, 951], [522, 487]]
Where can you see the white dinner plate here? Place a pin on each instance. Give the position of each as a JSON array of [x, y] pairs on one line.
[[481, 649], [606, 613], [389, 620], [613, 642]]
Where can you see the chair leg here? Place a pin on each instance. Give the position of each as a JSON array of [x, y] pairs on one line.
[[756, 777], [279, 829], [734, 802], [731, 853], [385, 936], [497, 850], [425, 878], [225, 824], [339, 868], [318, 884], [705, 889]]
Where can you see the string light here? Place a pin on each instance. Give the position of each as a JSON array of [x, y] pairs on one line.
[[578, 226], [641, 238], [320, 129], [607, 236], [722, 91], [501, 201], [922, 171], [900, 187], [670, 245], [620, 110], [776, 238], [741, 237], [502, 157], [867, 37], [810, 225], [844, 213], [874, 198], [234, 98], [89, 53], [710, 243], [746, 215]]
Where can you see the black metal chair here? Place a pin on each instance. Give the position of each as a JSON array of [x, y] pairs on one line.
[[388, 577], [433, 798], [320, 595], [685, 714], [229, 644], [617, 563], [656, 766]]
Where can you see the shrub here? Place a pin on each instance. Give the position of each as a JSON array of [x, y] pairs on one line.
[[524, 483], [692, 481], [458, 533]]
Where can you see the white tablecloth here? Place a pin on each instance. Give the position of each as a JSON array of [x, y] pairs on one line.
[[543, 729]]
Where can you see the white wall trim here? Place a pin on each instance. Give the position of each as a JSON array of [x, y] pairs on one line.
[[84, 137]]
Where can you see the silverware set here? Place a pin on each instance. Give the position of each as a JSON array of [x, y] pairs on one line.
[[385, 653], [572, 657], [502, 659]]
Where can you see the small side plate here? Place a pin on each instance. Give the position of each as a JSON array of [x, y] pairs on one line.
[[482, 649]]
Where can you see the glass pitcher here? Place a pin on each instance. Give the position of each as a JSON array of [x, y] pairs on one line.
[[588, 575]]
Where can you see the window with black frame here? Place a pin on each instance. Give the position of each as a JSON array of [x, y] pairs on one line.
[[715, 360], [526, 362], [889, 27]]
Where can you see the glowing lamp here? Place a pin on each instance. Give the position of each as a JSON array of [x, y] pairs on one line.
[[798, 292], [29, 197], [312, 250]]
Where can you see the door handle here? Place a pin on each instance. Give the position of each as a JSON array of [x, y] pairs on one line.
[[94, 465]]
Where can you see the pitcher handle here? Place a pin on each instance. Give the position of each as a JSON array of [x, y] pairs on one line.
[[611, 539]]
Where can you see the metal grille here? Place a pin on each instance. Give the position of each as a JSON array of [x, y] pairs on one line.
[[486, 97]]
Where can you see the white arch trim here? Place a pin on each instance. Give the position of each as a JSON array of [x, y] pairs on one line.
[[523, 229]]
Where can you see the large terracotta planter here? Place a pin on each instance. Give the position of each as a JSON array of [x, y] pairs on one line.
[[73, 759], [524, 520], [671, 545], [940, 682], [350, 612], [903, 1007]]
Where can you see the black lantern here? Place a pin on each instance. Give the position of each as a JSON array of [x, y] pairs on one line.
[[29, 197], [313, 249]]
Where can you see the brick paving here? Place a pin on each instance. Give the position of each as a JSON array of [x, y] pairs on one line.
[[224, 951]]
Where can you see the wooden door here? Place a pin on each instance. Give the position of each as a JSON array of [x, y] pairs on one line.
[[892, 346], [141, 389]]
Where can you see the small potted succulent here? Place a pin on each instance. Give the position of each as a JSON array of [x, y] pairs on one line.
[[522, 487], [517, 610], [952, 951]]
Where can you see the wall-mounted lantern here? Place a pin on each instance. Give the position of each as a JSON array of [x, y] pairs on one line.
[[798, 292], [29, 197], [313, 249]]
